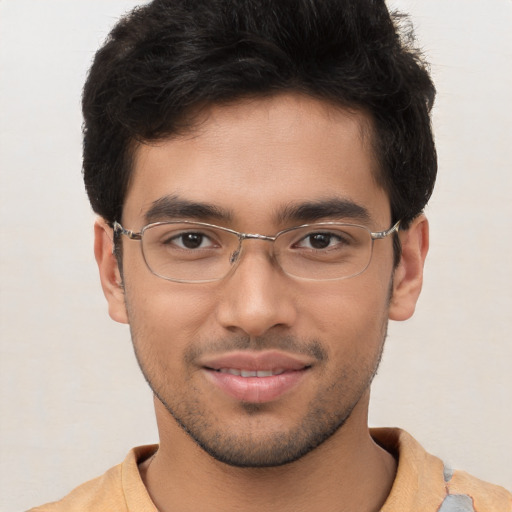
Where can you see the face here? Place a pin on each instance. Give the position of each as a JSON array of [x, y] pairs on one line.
[[259, 368]]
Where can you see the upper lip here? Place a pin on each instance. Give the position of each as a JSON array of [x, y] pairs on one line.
[[257, 361]]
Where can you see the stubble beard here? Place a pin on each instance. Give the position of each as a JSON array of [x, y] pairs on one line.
[[244, 448]]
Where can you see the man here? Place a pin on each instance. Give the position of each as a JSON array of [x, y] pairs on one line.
[[260, 169]]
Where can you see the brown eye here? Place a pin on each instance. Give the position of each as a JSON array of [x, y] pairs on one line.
[[191, 240], [320, 240]]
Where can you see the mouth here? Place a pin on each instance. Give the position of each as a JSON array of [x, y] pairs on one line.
[[250, 373], [256, 377]]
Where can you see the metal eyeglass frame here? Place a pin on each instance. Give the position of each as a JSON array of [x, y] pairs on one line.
[[132, 235]]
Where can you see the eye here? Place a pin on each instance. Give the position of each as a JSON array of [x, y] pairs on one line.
[[320, 241], [190, 240]]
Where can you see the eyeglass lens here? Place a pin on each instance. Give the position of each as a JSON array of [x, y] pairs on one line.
[[196, 252]]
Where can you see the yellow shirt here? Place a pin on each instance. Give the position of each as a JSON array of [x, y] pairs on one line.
[[422, 484]]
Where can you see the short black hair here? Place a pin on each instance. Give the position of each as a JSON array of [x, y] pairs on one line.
[[165, 60]]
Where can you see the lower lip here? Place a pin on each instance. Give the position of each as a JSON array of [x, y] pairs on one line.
[[256, 389]]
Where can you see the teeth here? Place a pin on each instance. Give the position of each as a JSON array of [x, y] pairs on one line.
[[264, 374], [232, 371], [251, 373]]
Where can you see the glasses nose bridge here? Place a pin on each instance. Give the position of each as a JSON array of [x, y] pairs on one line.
[[256, 236], [235, 257]]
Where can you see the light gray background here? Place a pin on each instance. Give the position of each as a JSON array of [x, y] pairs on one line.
[[72, 401]]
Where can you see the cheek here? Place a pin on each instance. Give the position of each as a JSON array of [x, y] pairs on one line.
[[165, 322], [163, 314], [351, 317], [351, 303]]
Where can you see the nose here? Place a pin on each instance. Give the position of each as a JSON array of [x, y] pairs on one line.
[[257, 296]]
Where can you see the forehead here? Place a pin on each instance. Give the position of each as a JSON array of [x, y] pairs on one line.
[[254, 158]]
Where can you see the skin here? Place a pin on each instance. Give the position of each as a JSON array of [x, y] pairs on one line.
[[253, 159]]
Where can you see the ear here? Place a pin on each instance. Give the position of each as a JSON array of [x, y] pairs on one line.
[[110, 276], [408, 276]]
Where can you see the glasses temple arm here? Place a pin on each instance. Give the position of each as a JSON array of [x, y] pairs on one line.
[[118, 229], [383, 234]]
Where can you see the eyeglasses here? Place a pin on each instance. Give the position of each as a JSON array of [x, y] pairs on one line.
[[196, 252]]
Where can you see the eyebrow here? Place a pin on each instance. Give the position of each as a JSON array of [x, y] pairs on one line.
[[332, 208], [174, 207]]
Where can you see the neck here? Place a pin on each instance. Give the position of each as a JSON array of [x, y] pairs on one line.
[[347, 472]]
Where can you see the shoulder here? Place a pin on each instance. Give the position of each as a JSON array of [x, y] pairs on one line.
[[97, 494], [423, 482], [115, 490], [464, 488]]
